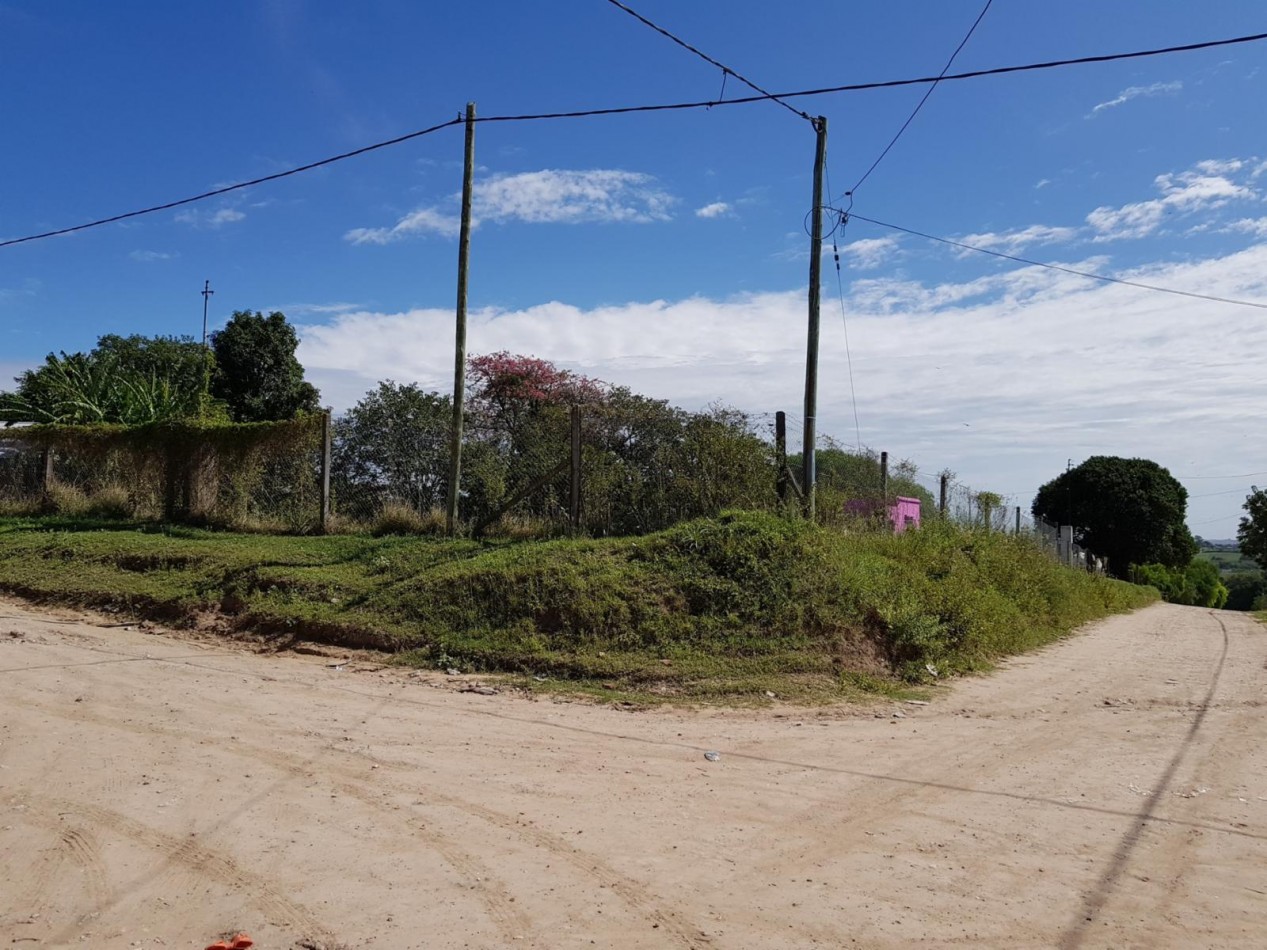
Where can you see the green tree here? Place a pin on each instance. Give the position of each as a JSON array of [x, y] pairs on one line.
[[393, 444], [256, 373], [1252, 533], [1130, 511]]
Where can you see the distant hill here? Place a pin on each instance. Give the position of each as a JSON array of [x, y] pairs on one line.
[[1219, 544]]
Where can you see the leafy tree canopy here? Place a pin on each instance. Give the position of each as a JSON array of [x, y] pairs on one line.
[[256, 372], [1252, 533], [394, 444], [130, 380], [1130, 511]]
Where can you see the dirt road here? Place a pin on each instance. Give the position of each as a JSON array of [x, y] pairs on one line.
[[162, 791]]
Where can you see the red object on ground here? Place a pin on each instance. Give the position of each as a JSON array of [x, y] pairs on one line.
[[239, 942]]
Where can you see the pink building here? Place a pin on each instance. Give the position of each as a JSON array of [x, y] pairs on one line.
[[902, 514]]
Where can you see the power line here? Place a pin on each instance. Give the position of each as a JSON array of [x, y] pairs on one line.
[[883, 84], [626, 110], [844, 322], [1060, 267], [1197, 524], [910, 118], [1230, 491], [235, 187], [1191, 477], [726, 70]]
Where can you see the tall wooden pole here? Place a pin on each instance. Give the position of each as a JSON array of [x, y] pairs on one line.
[[459, 350], [808, 473]]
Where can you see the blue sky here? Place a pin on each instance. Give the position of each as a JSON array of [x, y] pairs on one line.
[[667, 251]]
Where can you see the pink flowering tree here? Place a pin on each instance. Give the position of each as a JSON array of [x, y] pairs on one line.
[[509, 391]]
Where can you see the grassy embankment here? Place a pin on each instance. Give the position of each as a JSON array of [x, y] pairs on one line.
[[725, 607]]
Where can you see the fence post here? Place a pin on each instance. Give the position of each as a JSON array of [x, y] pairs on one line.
[[48, 470], [574, 508], [945, 491], [780, 455], [324, 523], [1066, 544], [1018, 519]]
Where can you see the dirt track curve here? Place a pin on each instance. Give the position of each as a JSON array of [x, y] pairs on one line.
[[1110, 791]]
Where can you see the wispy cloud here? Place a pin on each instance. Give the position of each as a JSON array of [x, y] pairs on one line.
[[31, 287], [309, 309], [870, 252], [1254, 226], [1206, 186], [200, 218], [550, 196], [1016, 240], [1136, 92], [148, 257], [714, 210], [1042, 183]]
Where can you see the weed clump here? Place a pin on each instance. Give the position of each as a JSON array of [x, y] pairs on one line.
[[398, 518]]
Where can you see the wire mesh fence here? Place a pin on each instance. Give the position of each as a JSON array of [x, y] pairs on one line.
[[622, 465], [259, 477]]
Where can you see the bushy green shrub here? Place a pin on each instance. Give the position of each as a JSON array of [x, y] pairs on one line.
[[1197, 585], [1244, 588]]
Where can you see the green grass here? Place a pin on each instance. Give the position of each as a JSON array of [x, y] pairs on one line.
[[728, 608], [1229, 562]]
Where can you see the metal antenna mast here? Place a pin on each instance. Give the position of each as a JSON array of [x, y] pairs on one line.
[[206, 296]]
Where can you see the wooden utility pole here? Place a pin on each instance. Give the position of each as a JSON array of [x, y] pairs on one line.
[[459, 349], [808, 473], [945, 492], [884, 477]]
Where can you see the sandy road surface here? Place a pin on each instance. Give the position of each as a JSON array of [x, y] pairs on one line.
[[158, 791]]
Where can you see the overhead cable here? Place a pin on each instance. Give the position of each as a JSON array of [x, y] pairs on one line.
[[1059, 267], [726, 70], [234, 187], [625, 110], [914, 112]]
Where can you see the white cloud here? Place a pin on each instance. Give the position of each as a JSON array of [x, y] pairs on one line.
[[1042, 183], [422, 221], [147, 257], [1011, 242], [1254, 226], [1136, 92], [714, 210], [554, 196], [1206, 186], [870, 252], [210, 219]]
